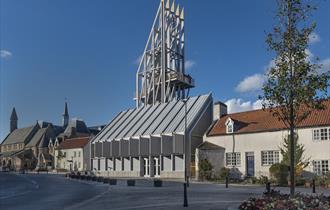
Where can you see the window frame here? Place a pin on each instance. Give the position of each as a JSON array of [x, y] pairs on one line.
[[270, 160], [233, 159], [229, 125], [321, 134], [321, 167]]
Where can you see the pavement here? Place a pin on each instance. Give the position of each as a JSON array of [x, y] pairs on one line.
[[48, 192]]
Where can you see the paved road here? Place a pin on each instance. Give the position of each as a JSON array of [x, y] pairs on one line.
[[49, 192]]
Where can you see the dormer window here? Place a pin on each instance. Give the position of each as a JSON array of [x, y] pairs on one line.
[[229, 126]]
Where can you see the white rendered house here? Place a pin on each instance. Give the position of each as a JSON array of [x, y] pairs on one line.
[[250, 141], [73, 154]]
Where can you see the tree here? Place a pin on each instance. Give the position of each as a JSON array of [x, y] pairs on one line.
[[300, 163], [205, 169], [294, 86], [59, 156]]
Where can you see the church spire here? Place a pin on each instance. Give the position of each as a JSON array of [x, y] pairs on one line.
[[65, 119], [13, 120]]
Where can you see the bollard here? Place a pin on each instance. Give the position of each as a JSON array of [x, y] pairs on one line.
[[113, 181], [131, 182], [227, 180], [158, 183], [313, 184], [185, 199], [268, 187]]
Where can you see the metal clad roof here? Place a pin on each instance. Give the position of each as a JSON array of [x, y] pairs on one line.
[[133, 122], [151, 119], [180, 116], [135, 117], [193, 112], [160, 118], [124, 123], [115, 126], [164, 118], [106, 129], [142, 121], [170, 116]]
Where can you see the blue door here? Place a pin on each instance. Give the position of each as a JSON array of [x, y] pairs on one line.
[[250, 164]]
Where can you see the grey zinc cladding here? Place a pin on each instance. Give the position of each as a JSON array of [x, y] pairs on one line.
[[117, 125], [142, 121], [160, 118], [151, 119], [193, 112], [180, 116], [165, 118], [125, 123], [108, 127], [169, 117], [135, 121]]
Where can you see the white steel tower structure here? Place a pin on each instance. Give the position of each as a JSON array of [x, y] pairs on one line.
[[161, 73]]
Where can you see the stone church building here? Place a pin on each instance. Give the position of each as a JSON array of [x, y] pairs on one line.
[[33, 147]]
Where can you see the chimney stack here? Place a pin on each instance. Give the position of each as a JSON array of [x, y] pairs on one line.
[[219, 110]]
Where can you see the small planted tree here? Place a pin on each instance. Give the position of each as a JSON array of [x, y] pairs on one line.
[[300, 163], [294, 86], [205, 169]]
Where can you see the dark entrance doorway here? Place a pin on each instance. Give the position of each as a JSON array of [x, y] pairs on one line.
[[249, 164]]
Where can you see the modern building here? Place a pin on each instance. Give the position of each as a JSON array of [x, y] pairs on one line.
[[149, 141], [250, 142], [159, 137]]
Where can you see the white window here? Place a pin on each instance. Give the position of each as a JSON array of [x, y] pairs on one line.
[[270, 157], [233, 159], [79, 154], [321, 134], [79, 164], [74, 154], [320, 167], [229, 126], [316, 134], [324, 133]]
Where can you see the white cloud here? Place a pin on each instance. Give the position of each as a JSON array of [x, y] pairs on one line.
[[138, 60], [5, 54], [310, 55], [189, 64], [251, 83], [314, 38], [239, 105], [325, 66]]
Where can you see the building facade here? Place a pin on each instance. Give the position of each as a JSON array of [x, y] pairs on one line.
[[250, 142], [72, 154], [149, 141], [33, 147]]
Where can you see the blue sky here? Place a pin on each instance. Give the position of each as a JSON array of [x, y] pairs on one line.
[[86, 51]]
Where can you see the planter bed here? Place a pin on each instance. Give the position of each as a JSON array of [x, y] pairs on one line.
[[112, 181], [131, 182], [275, 201]]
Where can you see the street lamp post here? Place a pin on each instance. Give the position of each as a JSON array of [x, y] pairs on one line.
[[185, 199]]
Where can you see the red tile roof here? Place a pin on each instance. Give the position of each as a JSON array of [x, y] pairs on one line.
[[263, 120], [73, 143]]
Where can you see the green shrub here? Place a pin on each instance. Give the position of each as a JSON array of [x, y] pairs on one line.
[[280, 173], [262, 180], [224, 172], [205, 169]]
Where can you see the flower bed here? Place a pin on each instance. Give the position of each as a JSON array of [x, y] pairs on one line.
[[277, 201]]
